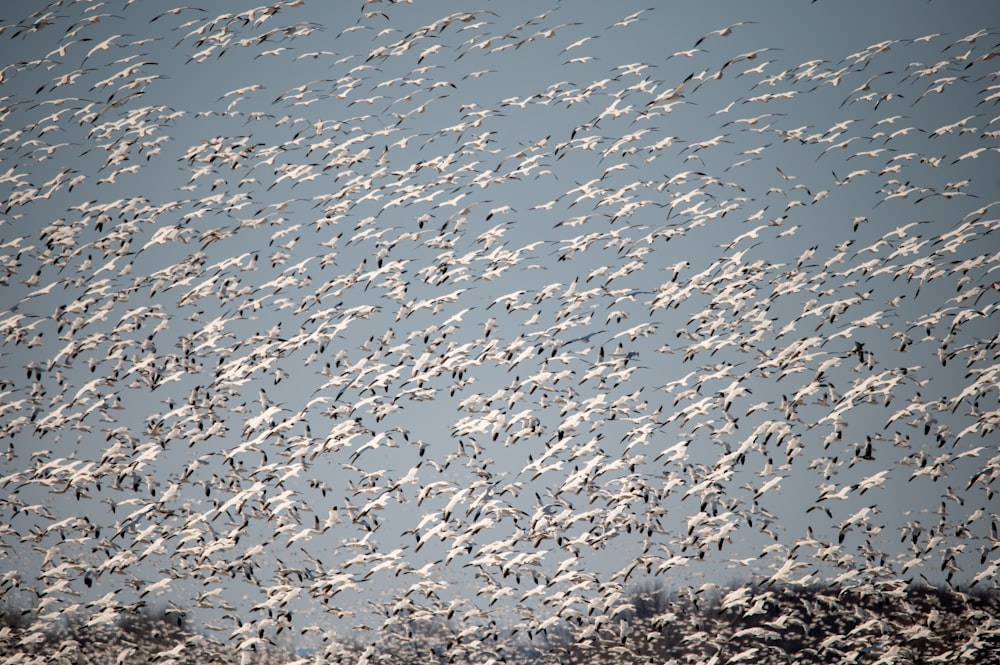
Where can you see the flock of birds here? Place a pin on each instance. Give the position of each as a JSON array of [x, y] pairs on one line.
[[468, 319]]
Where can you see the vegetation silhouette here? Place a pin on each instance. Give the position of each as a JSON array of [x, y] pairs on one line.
[[758, 623]]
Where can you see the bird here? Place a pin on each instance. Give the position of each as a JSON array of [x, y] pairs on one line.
[[722, 32], [302, 372]]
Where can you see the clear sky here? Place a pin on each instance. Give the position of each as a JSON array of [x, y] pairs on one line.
[[472, 307]]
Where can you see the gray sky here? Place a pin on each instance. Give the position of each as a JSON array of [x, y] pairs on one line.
[[579, 296]]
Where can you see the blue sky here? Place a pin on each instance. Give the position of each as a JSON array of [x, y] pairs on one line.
[[492, 296]]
